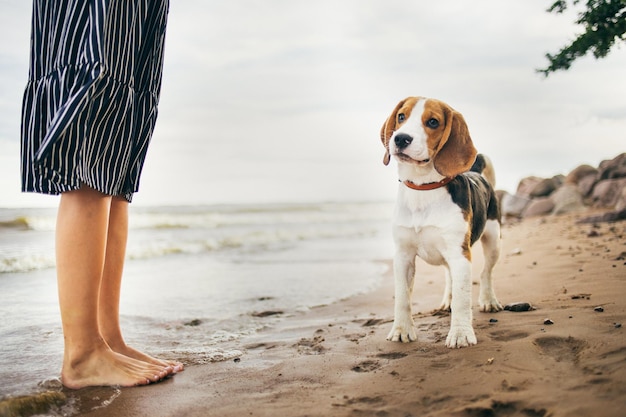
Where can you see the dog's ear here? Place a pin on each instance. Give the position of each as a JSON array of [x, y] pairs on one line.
[[456, 152], [387, 130]]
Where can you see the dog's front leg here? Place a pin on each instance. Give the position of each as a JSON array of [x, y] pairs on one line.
[[403, 329], [461, 331]]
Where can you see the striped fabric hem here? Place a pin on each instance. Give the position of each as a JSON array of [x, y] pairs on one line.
[[90, 105]]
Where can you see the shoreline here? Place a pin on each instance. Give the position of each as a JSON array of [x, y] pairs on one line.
[[335, 359]]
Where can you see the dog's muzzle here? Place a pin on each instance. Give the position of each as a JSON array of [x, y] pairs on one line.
[[402, 141]]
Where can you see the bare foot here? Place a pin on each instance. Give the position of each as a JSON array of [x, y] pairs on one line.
[[126, 350], [104, 367]]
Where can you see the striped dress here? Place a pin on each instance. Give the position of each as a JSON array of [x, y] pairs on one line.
[[90, 105]]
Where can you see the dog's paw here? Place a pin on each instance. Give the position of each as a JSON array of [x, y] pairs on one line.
[[403, 332], [461, 336], [489, 304]]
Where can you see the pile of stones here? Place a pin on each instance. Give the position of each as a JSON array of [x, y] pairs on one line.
[[585, 187]]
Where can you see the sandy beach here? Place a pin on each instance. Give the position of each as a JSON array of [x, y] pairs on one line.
[[565, 358]]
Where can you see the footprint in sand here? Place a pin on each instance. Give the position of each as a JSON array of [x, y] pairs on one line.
[[366, 400], [392, 355], [366, 366], [373, 322], [311, 346], [507, 335], [370, 402], [504, 408], [440, 364], [355, 337], [561, 348]]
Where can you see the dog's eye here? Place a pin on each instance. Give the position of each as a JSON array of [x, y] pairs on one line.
[[432, 123], [401, 118]]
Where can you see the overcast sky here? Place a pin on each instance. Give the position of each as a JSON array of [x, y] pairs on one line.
[[283, 100]]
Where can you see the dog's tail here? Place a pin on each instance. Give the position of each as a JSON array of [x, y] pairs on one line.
[[484, 167]]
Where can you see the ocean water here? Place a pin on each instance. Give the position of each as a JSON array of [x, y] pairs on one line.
[[197, 279]]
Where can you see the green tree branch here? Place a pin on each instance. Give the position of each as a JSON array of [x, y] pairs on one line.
[[604, 23]]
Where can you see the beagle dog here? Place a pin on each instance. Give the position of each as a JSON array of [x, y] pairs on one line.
[[444, 205]]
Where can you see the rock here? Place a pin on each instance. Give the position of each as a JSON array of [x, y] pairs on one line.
[[538, 207], [586, 184], [612, 216], [517, 307], [607, 193], [513, 205], [584, 176], [580, 172], [567, 199], [614, 168], [621, 200], [602, 187], [526, 185], [545, 187]]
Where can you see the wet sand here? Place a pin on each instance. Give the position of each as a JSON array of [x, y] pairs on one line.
[[567, 357]]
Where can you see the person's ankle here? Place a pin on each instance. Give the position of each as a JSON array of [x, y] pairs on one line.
[[117, 344], [77, 352]]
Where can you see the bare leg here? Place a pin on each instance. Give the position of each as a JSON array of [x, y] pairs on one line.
[[81, 235], [111, 283]]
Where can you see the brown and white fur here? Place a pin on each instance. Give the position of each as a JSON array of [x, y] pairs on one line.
[[440, 222]]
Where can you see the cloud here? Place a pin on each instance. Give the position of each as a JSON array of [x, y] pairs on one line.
[[282, 100]]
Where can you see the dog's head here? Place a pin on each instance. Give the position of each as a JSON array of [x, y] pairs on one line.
[[421, 131]]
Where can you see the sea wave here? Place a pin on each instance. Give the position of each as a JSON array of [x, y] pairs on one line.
[[208, 217], [179, 243], [29, 222], [165, 231], [26, 262], [280, 214], [254, 240]]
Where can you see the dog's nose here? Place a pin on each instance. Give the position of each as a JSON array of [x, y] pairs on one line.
[[403, 140]]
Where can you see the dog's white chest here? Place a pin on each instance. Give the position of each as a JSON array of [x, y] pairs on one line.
[[430, 245], [429, 222], [418, 209]]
